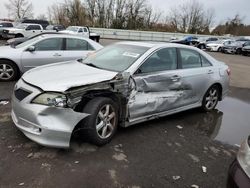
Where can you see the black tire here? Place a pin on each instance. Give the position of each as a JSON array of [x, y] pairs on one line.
[[94, 108], [9, 70], [219, 50], [211, 98], [202, 46], [238, 51], [18, 35]]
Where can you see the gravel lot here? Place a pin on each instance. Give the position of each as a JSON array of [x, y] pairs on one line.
[[168, 152]]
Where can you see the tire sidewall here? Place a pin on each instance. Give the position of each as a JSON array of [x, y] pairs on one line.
[[93, 108]]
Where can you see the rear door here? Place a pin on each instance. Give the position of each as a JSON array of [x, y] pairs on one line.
[[77, 49], [196, 73], [46, 52]]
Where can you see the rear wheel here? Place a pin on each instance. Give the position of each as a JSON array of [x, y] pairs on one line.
[[219, 50], [8, 71], [211, 98], [19, 35], [103, 120]]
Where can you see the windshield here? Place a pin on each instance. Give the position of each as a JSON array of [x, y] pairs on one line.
[[71, 28], [28, 42], [22, 26], [116, 57]]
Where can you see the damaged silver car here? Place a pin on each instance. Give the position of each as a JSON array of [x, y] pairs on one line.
[[120, 85]]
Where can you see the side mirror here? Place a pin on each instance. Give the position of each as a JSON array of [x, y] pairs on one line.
[[31, 49], [27, 28]]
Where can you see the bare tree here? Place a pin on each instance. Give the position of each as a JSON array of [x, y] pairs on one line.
[[20, 9], [42, 17], [75, 12], [91, 6], [191, 17]]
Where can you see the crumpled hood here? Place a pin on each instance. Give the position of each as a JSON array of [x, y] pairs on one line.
[[60, 77]]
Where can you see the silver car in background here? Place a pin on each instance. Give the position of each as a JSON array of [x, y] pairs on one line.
[[122, 84], [42, 50]]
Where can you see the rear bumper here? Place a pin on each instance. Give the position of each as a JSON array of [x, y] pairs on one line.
[[8, 36]]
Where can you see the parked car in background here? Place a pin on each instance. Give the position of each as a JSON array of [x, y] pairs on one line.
[[203, 41], [189, 40], [23, 30], [4, 25], [122, 84], [43, 23], [82, 31], [246, 50], [42, 50], [218, 45], [239, 171], [235, 47], [27, 31], [55, 27]]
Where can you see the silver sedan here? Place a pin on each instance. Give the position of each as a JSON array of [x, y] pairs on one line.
[[42, 50], [120, 85]]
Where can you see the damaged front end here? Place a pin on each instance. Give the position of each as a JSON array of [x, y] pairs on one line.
[[118, 89]]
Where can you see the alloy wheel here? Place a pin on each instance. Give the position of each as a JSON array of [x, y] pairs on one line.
[[6, 71], [105, 122], [211, 98]]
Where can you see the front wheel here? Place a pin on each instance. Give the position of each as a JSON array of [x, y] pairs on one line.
[[211, 98], [103, 120]]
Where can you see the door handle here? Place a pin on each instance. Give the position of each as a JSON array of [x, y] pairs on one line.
[[175, 78], [57, 55], [210, 72]]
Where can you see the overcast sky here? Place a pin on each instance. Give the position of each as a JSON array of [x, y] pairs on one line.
[[224, 9]]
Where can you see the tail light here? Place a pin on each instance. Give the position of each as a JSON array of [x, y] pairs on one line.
[[228, 72]]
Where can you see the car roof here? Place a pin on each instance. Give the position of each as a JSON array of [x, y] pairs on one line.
[[30, 24], [62, 35], [150, 44]]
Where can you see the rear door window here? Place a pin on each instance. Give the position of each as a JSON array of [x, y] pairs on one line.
[[77, 45], [190, 59]]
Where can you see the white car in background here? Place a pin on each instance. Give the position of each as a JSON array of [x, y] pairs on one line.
[[43, 50], [81, 31], [216, 46]]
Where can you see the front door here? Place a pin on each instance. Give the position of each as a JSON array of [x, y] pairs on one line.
[[158, 85], [46, 52]]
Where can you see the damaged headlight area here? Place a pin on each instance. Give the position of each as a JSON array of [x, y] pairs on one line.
[[51, 99]]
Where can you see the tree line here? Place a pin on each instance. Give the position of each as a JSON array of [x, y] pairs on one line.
[[189, 17]]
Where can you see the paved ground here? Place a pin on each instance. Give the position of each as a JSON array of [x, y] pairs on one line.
[[169, 152]]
